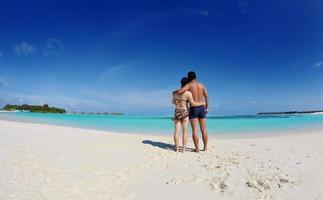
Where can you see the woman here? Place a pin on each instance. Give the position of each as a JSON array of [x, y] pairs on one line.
[[180, 118]]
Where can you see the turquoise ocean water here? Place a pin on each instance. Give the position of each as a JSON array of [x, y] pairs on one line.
[[164, 125]]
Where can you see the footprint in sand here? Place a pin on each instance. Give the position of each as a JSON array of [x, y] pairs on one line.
[[258, 184], [221, 185]]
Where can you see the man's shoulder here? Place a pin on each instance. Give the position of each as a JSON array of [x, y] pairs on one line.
[[201, 85], [189, 85]]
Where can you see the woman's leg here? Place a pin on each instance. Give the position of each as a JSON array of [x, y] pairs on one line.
[[184, 132], [177, 127]]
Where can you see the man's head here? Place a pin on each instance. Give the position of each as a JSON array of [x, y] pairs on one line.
[[191, 76], [184, 81]]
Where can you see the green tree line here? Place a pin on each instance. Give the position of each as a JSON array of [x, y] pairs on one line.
[[34, 108]]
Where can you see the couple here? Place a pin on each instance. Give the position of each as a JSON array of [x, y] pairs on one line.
[[191, 103]]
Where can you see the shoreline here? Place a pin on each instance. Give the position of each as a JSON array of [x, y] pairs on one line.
[[40, 161], [228, 135], [317, 113], [7, 111]]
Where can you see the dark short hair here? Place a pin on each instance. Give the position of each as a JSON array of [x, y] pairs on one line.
[[184, 81], [191, 76]]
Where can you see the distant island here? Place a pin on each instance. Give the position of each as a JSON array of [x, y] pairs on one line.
[[34, 108], [291, 112], [99, 113], [46, 109]]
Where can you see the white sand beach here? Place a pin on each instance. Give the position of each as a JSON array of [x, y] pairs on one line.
[[318, 113], [50, 162]]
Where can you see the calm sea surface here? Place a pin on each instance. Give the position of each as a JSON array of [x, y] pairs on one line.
[[164, 125]]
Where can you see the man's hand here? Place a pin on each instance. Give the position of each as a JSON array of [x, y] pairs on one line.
[[206, 98]]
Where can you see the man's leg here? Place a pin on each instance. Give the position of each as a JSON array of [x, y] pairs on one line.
[[194, 124], [202, 122]]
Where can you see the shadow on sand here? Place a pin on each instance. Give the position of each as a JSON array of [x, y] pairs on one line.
[[161, 145], [165, 146]]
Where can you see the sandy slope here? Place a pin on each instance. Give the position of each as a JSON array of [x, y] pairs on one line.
[[51, 162]]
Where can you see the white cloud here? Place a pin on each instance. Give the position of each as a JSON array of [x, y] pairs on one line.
[[147, 98], [115, 71], [5, 81], [142, 23], [91, 99], [2, 82], [112, 71], [125, 100], [53, 47], [52, 97], [24, 49], [318, 64]]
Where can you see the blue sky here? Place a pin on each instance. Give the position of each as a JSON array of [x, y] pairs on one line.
[[128, 56]]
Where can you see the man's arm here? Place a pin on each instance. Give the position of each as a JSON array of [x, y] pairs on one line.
[[182, 90], [206, 98], [192, 102]]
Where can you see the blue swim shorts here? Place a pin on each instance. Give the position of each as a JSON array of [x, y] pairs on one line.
[[197, 112]]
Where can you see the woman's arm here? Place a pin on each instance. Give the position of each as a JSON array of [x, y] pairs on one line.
[[173, 100], [192, 102]]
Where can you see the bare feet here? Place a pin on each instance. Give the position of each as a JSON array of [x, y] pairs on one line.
[[184, 149], [197, 151], [205, 148]]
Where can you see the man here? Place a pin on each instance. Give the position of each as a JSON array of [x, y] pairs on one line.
[[197, 114]]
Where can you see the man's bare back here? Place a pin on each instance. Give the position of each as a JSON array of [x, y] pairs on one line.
[[197, 89]]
